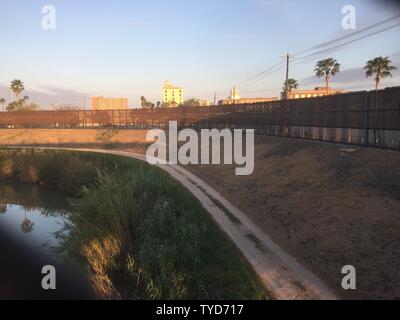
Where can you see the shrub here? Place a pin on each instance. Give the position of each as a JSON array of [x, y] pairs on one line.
[[137, 232]]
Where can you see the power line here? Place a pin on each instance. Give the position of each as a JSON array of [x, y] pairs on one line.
[[347, 43], [324, 44], [261, 90], [272, 69], [286, 88], [280, 66], [321, 45]]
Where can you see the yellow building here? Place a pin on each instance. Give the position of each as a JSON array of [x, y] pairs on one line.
[[101, 103], [313, 93], [172, 95]]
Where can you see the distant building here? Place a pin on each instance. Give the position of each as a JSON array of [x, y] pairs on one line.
[[312, 93], [235, 98], [101, 103], [204, 103], [234, 94], [172, 95]]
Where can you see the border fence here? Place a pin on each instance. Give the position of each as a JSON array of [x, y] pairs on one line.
[[363, 118]]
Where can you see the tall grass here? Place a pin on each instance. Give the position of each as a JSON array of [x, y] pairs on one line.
[[137, 232]]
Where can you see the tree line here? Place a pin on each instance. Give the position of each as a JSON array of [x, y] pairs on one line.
[[19, 103], [379, 68], [150, 105]]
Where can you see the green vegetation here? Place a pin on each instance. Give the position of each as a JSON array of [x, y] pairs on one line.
[[137, 232], [3, 103], [17, 87], [326, 69], [290, 85], [106, 135], [192, 103], [380, 68], [147, 104]]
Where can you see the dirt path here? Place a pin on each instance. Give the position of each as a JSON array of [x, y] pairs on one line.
[[281, 274]]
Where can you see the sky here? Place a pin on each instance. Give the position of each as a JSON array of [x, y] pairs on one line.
[[128, 48]]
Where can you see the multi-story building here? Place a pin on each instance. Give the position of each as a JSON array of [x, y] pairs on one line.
[[101, 103], [172, 95], [235, 98], [312, 93]]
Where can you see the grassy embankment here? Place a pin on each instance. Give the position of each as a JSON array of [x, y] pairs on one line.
[[137, 232]]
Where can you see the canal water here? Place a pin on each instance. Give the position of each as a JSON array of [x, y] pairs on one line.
[[34, 215]]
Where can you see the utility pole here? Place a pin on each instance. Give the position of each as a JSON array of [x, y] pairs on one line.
[[215, 99], [286, 89]]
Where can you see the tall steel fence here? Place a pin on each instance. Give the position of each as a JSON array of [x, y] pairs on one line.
[[362, 117]]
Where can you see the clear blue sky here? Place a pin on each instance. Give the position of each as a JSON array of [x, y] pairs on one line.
[[128, 48]]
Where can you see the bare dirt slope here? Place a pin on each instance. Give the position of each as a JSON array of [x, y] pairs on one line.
[[326, 207]]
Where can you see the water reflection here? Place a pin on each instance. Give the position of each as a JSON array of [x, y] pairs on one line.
[[26, 225], [35, 215]]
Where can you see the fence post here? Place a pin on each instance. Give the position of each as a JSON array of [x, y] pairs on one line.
[[367, 117]]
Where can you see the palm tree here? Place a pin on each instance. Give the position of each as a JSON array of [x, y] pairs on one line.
[[291, 84], [143, 102], [26, 225], [17, 86], [3, 103], [380, 68], [22, 101], [327, 68], [146, 104]]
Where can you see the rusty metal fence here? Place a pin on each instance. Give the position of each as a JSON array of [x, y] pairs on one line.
[[358, 117]]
